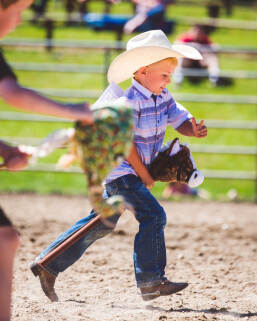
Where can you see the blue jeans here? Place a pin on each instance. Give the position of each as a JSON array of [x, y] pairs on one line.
[[149, 246]]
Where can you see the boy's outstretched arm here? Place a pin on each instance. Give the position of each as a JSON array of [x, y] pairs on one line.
[[140, 168], [189, 128], [29, 100]]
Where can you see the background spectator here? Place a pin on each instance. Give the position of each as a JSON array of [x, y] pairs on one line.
[[198, 37], [176, 188], [149, 12]]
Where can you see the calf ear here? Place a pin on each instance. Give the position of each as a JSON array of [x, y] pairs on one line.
[[174, 147]]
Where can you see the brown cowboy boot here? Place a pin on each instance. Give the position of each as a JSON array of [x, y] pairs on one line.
[[165, 288], [47, 281]]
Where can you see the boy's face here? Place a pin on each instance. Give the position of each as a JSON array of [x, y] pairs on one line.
[[157, 76], [11, 17]]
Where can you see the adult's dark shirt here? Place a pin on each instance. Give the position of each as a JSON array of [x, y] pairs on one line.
[[4, 221], [5, 69]]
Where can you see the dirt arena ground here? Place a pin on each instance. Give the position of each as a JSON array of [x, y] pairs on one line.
[[210, 245]]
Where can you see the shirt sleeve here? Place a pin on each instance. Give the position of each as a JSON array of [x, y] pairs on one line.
[[135, 105], [5, 69], [177, 114]]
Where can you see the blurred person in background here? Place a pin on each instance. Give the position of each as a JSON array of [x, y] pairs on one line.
[[214, 7], [16, 95], [39, 8], [198, 37], [149, 12], [177, 188], [71, 6]]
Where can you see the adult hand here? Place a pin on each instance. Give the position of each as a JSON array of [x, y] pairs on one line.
[[14, 159], [82, 112], [199, 130], [17, 163]]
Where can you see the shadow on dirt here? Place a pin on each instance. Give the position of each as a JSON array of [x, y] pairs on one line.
[[208, 311]]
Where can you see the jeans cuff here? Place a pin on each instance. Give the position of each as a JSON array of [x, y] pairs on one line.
[[49, 270], [142, 284]]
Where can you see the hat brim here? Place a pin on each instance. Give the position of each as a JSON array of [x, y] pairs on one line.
[[126, 64]]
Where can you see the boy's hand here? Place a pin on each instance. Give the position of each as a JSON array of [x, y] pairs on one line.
[[148, 181], [135, 161], [199, 130]]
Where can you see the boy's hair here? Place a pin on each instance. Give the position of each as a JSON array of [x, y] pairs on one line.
[[171, 60], [7, 3]]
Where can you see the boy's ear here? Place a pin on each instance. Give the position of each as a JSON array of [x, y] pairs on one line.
[[143, 70]]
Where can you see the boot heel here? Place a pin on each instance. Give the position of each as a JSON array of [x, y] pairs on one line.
[[150, 296], [34, 269]]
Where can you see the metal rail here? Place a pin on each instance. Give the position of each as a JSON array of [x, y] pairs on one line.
[[218, 174], [106, 45], [75, 44], [100, 69], [218, 22], [196, 148], [211, 123], [208, 98]]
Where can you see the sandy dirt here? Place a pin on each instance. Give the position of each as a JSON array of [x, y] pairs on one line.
[[210, 245]]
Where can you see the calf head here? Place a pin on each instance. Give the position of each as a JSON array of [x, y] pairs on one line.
[[175, 163]]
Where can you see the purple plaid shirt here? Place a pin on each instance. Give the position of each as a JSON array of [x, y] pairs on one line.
[[150, 122]]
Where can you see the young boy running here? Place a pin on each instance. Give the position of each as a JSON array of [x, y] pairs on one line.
[[150, 60]]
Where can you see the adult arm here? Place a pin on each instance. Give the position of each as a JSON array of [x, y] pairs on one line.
[[29, 100]]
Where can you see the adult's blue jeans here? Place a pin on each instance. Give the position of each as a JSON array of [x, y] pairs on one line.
[[149, 246]]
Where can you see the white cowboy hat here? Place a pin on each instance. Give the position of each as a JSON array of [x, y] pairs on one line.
[[145, 49]]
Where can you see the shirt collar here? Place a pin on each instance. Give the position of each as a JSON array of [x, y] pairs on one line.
[[146, 92]]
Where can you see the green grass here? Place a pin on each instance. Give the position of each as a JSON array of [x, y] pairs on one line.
[[43, 183], [75, 183]]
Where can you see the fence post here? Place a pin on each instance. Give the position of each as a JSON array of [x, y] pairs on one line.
[[107, 57], [49, 25]]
